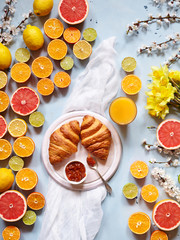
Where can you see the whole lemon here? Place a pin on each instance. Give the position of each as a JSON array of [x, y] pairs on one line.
[[6, 179], [5, 57], [33, 37], [42, 7]]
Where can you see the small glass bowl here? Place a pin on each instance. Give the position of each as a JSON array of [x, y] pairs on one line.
[[73, 163]]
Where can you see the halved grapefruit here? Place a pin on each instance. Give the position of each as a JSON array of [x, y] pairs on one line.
[[168, 134], [24, 101], [3, 126], [73, 12], [13, 206], [166, 214]]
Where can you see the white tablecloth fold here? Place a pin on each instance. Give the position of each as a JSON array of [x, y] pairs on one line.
[[76, 215]]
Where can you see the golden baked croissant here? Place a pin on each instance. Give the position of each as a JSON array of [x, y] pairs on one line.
[[95, 137], [64, 141]]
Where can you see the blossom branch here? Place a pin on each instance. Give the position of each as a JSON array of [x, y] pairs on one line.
[[173, 59]]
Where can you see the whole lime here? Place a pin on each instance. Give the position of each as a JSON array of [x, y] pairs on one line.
[[6, 179], [5, 59], [33, 37], [42, 7]]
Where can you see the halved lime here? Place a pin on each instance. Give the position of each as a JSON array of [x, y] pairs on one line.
[[22, 55], [66, 63], [130, 190], [89, 34], [36, 119], [29, 217], [179, 178], [128, 64], [16, 163]]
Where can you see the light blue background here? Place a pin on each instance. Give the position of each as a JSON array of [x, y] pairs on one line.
[[109, 18]]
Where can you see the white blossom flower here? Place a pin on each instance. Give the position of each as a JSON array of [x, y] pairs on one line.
[[175, 163], [153, 160], [159, 22]]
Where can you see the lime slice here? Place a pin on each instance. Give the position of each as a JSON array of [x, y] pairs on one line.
[[29, 218], [179, 178], [128, 64], [66, 63], [22, 55], [36, 119], [130, 190], [16, 163], [89, 34]]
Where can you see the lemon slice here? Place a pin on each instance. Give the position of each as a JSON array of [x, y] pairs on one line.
[[89, 34], [82, 49], [17, 127], [36, 119], [66, 63], [128, 64], [3, 79], [130, 190], [16, 163], [29, 218], [22, 55]]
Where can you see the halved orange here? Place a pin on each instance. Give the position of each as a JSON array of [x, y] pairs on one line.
[[20, 72], [139, 223], [5, 149], [42, 67], [17, 127], [149, 193], [3, 79], [131, 84], [26, 179], [53, 28], [4, 101], [57, 49], [45, 86], [36, 201], [159, 235], [24, 146], [139, 169], [71, 35], [82, 49], [11, 233], [62, 79]]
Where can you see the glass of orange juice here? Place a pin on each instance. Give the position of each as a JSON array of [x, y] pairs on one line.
[[123, 110]]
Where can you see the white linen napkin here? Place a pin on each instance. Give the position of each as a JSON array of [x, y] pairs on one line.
[[76, 215]]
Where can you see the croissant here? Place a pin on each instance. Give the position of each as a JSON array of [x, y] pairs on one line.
[[64, 141], [95, 137]]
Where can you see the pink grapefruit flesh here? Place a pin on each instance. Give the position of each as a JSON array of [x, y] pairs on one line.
[[166, 214], [13, 206], [24, 101], [168, 134], [73, 11], [3, 126]]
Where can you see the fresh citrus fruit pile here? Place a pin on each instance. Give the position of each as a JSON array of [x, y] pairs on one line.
[[72, 35], [36, 119], [6, 58], [57, 49], [42, 67]]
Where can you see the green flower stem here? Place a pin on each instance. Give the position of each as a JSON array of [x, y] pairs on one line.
[[174, 104]]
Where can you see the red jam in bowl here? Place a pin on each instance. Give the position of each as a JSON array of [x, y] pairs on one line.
[[75, 171]]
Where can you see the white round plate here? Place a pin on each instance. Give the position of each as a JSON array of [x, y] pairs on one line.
[[106, 168]]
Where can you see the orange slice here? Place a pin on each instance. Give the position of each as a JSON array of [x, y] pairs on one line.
[[11, 233], [72, 35], [24, 146], [42, 67], [131, 84], [149, 193], [53, 28], [139, 223], [45, 86], [17, 127], [3, 79], [26, 179], [159, 235], [62, 79], [139, 169], [36, 201], [20, 72], [4, 101], [82, 49], [57, 49], [5, 149]]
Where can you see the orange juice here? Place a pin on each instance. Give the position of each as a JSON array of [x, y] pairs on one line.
[[123, 110]]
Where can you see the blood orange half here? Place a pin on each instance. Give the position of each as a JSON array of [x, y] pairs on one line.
[[13, 206], [3, 126], [24, 101], [166, 214], [168, 134], [73, 12]]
